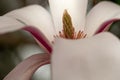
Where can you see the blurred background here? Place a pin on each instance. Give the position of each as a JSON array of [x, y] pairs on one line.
[[16, 46]]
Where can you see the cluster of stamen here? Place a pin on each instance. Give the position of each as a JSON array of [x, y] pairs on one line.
[[68, 31]]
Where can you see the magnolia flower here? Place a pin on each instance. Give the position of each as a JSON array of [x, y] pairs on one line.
[[76, 53]]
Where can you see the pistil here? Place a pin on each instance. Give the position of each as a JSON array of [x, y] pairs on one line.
[[68, 31]]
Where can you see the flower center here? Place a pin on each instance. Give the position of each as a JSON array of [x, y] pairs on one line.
[[68, 31]]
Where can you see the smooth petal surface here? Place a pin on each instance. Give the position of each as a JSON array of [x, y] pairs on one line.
[[103, 12], [94, 58], [8, 24], [26, 69], [76, 8], [37, 16]]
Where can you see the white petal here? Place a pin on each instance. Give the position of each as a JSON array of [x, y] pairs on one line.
[[8, 24], [37, 16], [104, 11], [94, 58], [76, 8]]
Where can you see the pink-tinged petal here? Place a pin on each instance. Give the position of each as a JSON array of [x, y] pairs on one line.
[[76, 8], [40, 38], [26, 69], [106, 25], [94, 58], [37, 16], [103, 13], [8, 24]]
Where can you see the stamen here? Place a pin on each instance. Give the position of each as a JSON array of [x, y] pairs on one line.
[[81, 34]]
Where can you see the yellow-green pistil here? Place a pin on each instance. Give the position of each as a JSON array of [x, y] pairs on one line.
[[68, 31]]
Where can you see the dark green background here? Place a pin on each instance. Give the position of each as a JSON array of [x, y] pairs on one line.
[[8, 5]]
